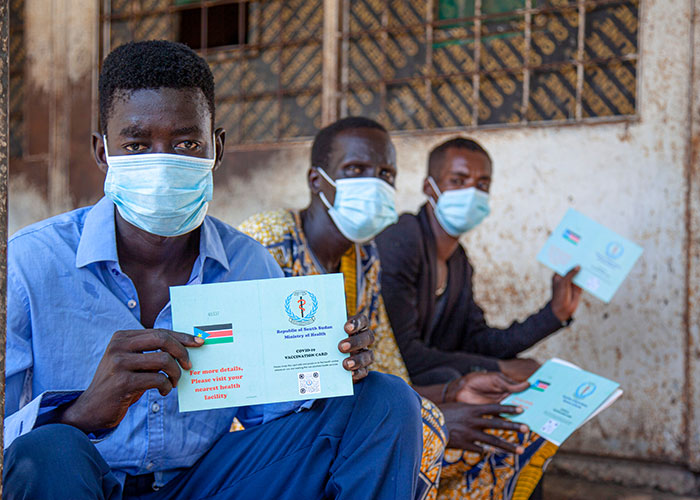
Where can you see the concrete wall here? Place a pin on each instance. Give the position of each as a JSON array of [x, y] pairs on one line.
[[639, 179]]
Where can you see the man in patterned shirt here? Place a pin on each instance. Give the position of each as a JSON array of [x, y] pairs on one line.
[[351, 181]]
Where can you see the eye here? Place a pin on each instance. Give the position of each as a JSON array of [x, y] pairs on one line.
[[188, 145], [484, 186], [136, 148], [353, 170], [387, 175], [457, 181]]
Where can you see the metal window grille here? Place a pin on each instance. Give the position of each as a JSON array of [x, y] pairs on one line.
[[268, 80], [426, 64]]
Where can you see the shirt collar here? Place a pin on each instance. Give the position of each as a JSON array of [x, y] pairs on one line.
[[98, 241]]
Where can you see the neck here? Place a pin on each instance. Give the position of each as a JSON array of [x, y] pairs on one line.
[[444, 243], [324, 239], [138, 249]]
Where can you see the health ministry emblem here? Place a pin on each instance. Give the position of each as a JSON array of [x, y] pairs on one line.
[[614, 250], [301, 307], [584, 390]]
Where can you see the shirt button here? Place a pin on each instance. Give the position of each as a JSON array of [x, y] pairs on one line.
[[155, 407], [131, 304], [150, 465]]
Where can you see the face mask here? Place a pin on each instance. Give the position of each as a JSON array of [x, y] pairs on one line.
[[363, 206], [459, 210], [163, 194]]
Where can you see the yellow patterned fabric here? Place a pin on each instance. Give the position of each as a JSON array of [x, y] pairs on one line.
[[281, 233], [459, 474]]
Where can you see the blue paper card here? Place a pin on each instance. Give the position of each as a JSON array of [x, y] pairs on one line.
[[561, 398], [605, 257], [265, 341]]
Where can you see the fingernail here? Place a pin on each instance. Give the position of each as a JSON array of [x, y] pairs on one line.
[[350, 364], [199, 340], [520, 409], [524, 429], [519, 450], [345, 346]]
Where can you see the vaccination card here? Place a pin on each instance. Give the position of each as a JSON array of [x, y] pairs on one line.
[[561, 398], [605, 257], [265, 341]]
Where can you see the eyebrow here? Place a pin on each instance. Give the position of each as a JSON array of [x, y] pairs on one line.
[[135, 131], [194, 129]]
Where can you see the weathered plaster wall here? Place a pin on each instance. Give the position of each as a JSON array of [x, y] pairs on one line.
[[637, 178]]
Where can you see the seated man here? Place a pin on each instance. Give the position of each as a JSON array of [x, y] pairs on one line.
[[352, 198], [427, 279], [92, 365]]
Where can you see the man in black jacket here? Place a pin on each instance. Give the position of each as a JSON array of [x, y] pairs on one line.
[[427, 279]]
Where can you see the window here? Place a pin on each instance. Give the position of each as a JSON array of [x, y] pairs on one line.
[[424, 64], [411, 64], [266, 56]]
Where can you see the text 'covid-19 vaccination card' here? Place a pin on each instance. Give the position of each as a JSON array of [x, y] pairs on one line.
[[605, 257], [561, 398], [265, 341]]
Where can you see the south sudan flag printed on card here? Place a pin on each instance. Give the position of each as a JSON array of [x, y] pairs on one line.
[[540, 385], [571, 237], [215, 334]]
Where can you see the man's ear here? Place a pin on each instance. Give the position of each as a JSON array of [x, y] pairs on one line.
[[314, 179], [428, 190], [98, 152], [219, 141]]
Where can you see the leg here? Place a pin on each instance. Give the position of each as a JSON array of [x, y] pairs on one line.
[[435, 376], [56, 462], [362, 446]]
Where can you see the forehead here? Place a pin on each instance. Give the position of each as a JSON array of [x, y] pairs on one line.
[[159, 109], [366, 144], [461, 160]]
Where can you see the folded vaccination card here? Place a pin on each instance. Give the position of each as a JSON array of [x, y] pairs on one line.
[[604, 256], [561, 398], [265, 341]]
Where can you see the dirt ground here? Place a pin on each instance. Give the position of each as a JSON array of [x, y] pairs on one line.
[[566, 488]]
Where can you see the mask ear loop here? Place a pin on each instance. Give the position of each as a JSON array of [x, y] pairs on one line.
[[331, 182], [104, 141], [436, 189]]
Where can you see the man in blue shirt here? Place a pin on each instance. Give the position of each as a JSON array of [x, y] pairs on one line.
[[92, 362]]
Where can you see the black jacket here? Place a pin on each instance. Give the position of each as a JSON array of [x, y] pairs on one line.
[[460, 338]]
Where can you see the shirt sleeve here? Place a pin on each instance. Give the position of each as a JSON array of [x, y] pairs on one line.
[[509, 342], [399, 278], [22, 412]]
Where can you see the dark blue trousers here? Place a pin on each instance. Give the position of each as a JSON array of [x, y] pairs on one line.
[[366, 446]]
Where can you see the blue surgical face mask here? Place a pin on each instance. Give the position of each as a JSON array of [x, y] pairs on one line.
[[459, 210], [163, 194], [363, 206]]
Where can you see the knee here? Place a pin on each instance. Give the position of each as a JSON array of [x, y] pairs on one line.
[[52, 447], [400, 403]]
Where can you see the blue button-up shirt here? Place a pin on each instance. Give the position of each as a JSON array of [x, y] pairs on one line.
[[67, 296]]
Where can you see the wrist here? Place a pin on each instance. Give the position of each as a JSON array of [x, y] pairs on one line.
[[449, 391]]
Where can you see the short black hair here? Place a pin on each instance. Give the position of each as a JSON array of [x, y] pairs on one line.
[[152, 64], [323, 142], [437, 154]]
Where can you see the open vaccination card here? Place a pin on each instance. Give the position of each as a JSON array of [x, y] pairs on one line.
[[561, 398], [605, 257], [265, 341]]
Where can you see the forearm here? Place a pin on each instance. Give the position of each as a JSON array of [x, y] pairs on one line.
[[509, 342]]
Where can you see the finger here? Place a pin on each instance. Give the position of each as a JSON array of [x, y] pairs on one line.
[[141, 382], [497, 409], [360, 360], [359, 374], [357, 342], [164, 340], [500, 423], [487, 441], [572, 273], [356, 324], [159, 361]]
